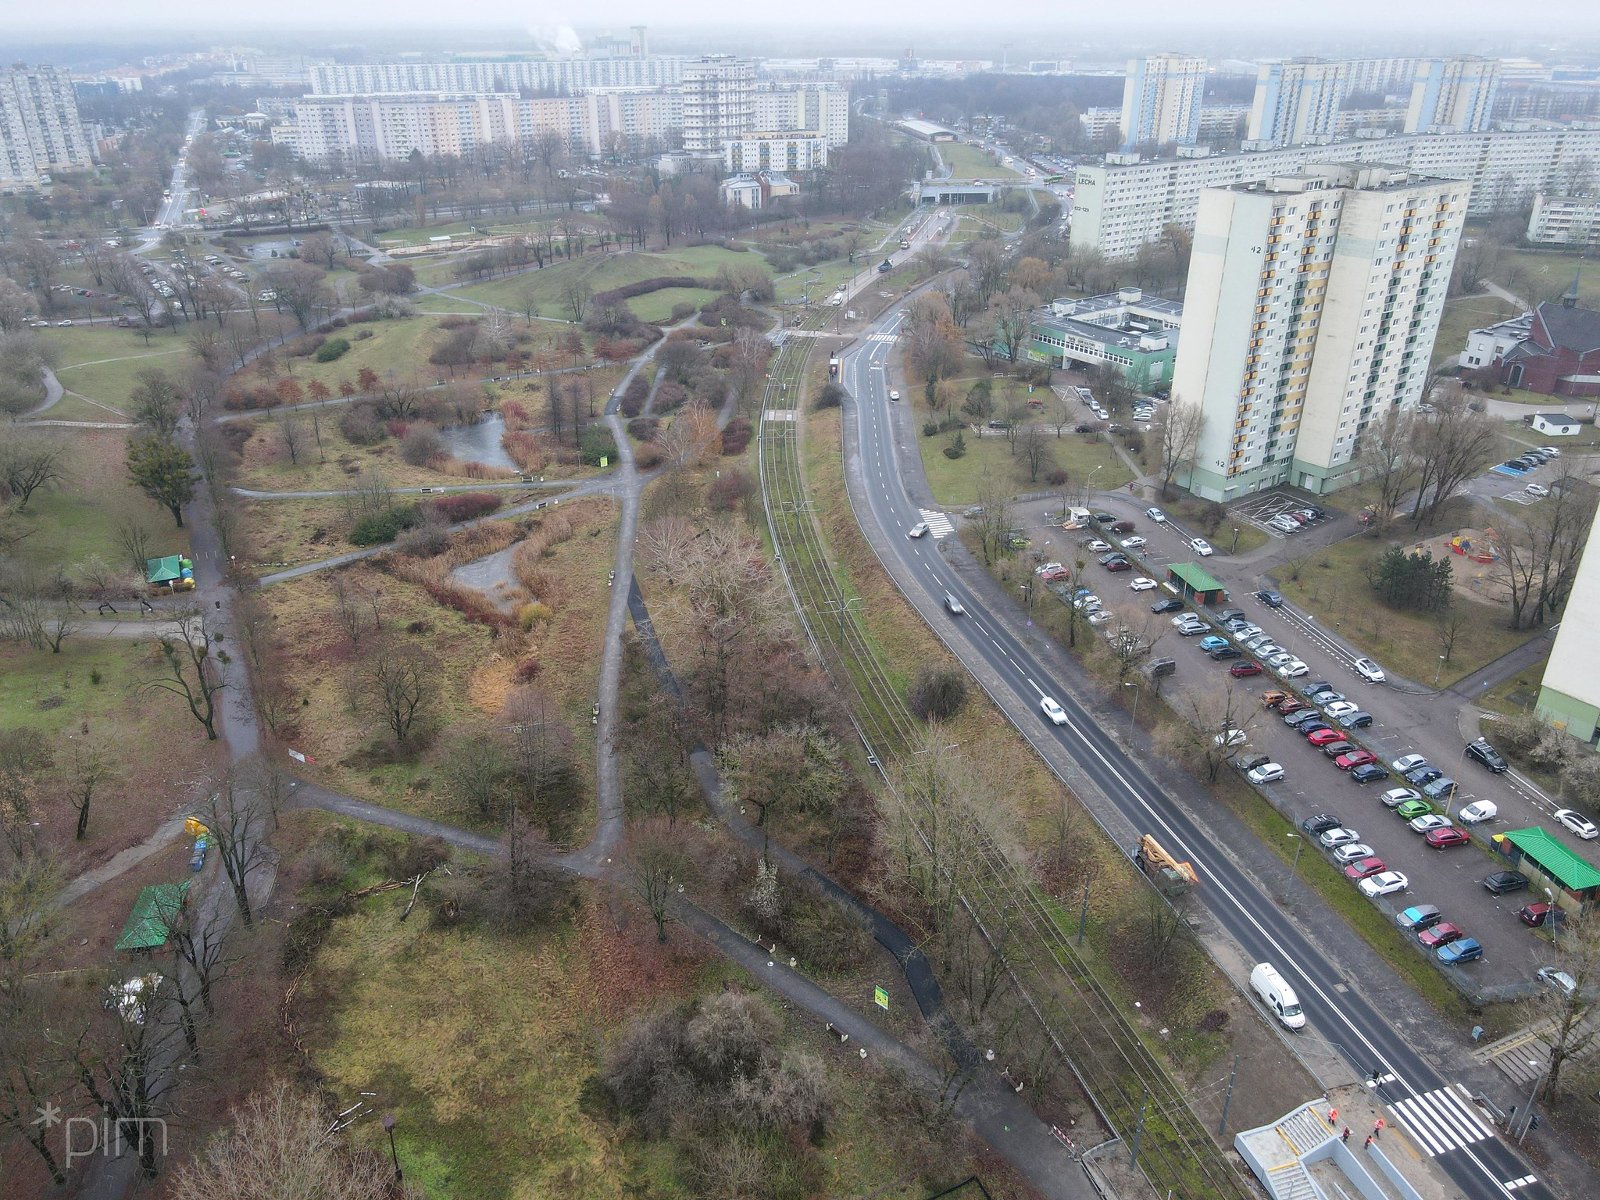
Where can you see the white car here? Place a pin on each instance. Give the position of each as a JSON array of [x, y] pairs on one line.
[[1133, 543], [1409, 762], [1352, 852], [1369, 670], [1156, 515], [1478, 812], [1046, 568], [1142, 584], [1550, 450], [1099, 617], [1332, 839], [1201, 547], [1230, 737], [1090, 603], [1096, 546], [1057, 714], [1266, 773], [920, 529], [1578, 823], [1341, 708], [1293, 669], [1279, 658], [1559, 980], [893, 395], [1384, 883], [1537, 490]]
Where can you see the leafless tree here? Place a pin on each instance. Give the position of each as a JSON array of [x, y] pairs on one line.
[[1210, 733], [1564, 1015], [85, 768], [1035, 451], [134, 541], [400, 684], [656, 869], [292, 434], [1537, 551], [238, 820], [29, 463], [1177, 435], [576, 294], [1451, 443], [993, 519], [358, 609], [192, 672], [1388, 462]]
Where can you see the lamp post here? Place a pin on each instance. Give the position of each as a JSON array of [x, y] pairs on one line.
[[1088, 484], [1438, 673], [388, 1125], [1234, 549], [1299, 845], [1133, 717]]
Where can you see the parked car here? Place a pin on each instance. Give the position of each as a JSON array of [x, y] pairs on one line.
[[1324, 736], [1385, 883], [1156, 515], [1231, 737], [1320, 823], [1274, 696], [1120, 564], [1250, 760], [1365, 869], [1356, 720], [1419, 917], [1369, 670], [1395, 797], [1537, 490], [1577, 823], [1266, 773], [1315, 725], [1423, 775], [1408, 762], [1230, 614], [1222, 653], [1244, 670], [893, 394], [1466, 950], [1337, 708], [1481, 751], [1354, 852], [1201, 547], [1410, 810], [1368, 773], [1169, 604], [1502, 882], [1278, 658], [1270, 598], [1444, 787], [1352, 759], [1440, 933], [1443, 839], [1096, 546], [1299, 717], [1535, 915], [1213, 642], [1336, 750], [1558, 980], [1054, 711], [1332, 839], [1133, 543], [1143, 584], [1478, 811], [1428, 823], [1293, 669]]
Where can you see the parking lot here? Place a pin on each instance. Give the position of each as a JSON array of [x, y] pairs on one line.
[[1401, 724], [1275, 512]]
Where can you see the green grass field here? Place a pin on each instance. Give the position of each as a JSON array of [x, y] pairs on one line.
[[970, 162], [103, 362], [401, 347], [656, 307], [1543, 275]]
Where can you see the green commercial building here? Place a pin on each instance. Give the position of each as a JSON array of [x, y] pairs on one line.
[[1137, 333]]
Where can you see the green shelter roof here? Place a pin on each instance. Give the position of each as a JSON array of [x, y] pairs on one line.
[[1561, 864], [1196, 576], [148, 923], [163, 570]]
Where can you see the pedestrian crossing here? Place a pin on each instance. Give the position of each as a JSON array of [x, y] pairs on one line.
[[883, 337], [1441, 1120], [939, 525]]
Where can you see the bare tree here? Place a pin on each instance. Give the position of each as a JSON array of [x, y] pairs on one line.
[[1035, 451], [292, 434], [1452, 443], [576, 294], [85, 768], [1217, 725], [993, 518], [1177, 436], [237, 822], [134, 541], [1563, 1012], [191, 671], [1388, 461], [1537, 551], [400, 685], [359, 611], [28, 463], [656, 867]]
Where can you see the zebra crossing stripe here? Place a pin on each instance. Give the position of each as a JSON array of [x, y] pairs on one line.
[[939, 525], [1441, 1120], [1513, 1184], [883, 337]]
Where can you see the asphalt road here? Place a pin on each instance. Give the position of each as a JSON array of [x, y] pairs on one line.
[[1418, 1091]]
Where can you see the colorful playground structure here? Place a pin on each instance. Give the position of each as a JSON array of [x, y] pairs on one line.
[[1463, 545]]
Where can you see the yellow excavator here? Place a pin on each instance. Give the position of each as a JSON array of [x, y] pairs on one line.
[[1170, 875]]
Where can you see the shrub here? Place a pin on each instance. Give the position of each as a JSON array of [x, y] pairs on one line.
[[421, 444], [463, 506], [831, 396], [334, 348], [957, 447], [682, 311], [361, 335], [383, 527], [930, 429], [596, 443], [647, 456], [360, 426], [426, 540], [634, 396], [729, 491], [531, 613], [644, 429], [736, 436], [1056, 477], [938, 693]]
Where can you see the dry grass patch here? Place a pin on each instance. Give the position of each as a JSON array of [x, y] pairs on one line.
[[289, 533]]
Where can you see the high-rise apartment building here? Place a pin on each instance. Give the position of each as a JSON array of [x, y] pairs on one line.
[[39, 127], [718, 102], [1454, 95], [548, 75], [1311, 308], [1297, 102], [1161, 100]]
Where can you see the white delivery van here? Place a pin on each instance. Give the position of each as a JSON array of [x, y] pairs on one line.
[[1275, 992]]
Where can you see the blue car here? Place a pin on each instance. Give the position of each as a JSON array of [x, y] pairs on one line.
[[1465, 950], [1213, 643]]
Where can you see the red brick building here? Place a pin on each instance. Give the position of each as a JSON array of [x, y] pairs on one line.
[[1561, 354]]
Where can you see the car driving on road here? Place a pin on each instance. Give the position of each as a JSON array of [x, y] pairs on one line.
[[1057, 714], [1578, 823]]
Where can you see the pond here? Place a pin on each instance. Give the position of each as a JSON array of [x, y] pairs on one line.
[[479, 442]]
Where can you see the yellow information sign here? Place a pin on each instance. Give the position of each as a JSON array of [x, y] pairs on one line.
[[880, 997]]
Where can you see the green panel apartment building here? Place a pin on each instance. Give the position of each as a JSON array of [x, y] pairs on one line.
[[1135, 332]]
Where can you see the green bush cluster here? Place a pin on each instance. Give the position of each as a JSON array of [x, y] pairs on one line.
[[331, 349]]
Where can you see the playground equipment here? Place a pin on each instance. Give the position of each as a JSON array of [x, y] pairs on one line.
[[1462, 545]]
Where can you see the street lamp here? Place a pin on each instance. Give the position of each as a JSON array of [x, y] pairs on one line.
[[388, 1125], [1299, 845], [1235, 547], [1438, 673], [1133, 717]]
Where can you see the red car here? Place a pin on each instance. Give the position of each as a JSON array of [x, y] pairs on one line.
[[1324, 736], [1120, 564], [1055, 573], [1290, 706], [1450, 835], [1534, 915], [1354, 759], [1439, 934], [1243, 670], [1364, 868]]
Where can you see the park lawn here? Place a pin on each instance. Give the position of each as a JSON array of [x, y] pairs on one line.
[[955, 482], [159, 754], [70, 524], [656, 307], [1332, 584], [822, 280], [422, 235], [72, 407], [446, 305], [1548, 275], [288, 533], [431, 271], [970, 162], [1463, 315], [265, 464], [399, 348]]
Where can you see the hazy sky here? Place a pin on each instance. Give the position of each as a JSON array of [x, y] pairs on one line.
[[1054, 19]]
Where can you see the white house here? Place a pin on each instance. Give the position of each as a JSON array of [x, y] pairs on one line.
[[1556, 424]]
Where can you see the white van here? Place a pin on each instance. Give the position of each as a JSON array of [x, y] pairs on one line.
[[1275, 992]]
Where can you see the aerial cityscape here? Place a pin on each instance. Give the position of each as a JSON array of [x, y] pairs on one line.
[[899, 605]]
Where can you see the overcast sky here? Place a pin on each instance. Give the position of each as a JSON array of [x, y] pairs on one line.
[[1051, 18]]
